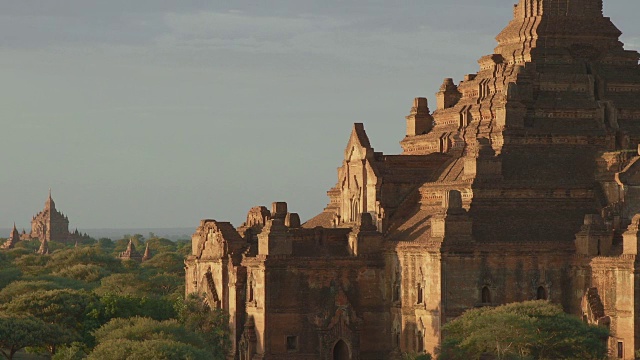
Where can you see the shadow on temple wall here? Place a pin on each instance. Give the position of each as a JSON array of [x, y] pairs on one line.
[[437, 322], [413, 232]]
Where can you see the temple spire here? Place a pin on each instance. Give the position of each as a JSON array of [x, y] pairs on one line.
[[147, 253], [12, 240], [50, 204], [580, 8], [557, 24]]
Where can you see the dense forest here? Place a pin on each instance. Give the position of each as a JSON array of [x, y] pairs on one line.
[[83, 302]]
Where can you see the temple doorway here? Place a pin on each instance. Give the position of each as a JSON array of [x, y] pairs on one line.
[[341, 351]]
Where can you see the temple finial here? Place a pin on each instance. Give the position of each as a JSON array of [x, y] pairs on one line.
[[49, 203]]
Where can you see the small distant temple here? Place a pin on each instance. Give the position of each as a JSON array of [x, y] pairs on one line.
[[147, 253], [132, 254], [12, 240], [48, 225]]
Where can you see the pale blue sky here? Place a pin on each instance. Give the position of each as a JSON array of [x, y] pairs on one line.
[[157, 113]]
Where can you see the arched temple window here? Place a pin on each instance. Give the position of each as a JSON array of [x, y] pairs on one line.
[[541, 293], [486, 295], [355, 210], [341, 351]]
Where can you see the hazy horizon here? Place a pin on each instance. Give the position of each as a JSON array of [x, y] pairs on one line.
[[156, 114], [116, 234]]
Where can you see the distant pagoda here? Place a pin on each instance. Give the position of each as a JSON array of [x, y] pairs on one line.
[[13, 239], [50, 224], [131, 253]]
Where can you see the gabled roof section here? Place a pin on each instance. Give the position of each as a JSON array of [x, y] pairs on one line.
[[358, 141], [228, 232], [358, 131]]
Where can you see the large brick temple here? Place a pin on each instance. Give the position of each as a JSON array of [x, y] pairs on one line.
[[523, 183], [48, 225]]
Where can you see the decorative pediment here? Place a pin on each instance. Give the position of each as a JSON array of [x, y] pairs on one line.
[[212, 240], [359, 147]]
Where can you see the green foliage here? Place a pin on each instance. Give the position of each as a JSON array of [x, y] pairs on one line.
[[73, 351], [55, 246], [126, 306], [22, 287], [18, 332], [83, 272], [8, 275], [64, 282], [86, 255], [105, 244], [211, 323], [160, 245], [164, 284], [528, 330], [169, 262], [125, 284], [75, 290], [157, 349], [76, 311], [4, 257], [130, 265], [30, 285], [183, 247], [142, 338], [30, 245], [32, 264], [139, 329], [18, 252]]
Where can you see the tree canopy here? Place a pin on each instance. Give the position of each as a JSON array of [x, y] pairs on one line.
[[18, 332], [83, 301], [143, 338], [528, 330]]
